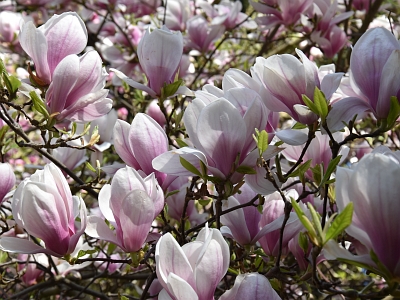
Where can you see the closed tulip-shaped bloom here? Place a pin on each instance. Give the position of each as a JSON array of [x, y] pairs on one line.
[[194, 270], [47, 45], [140, 142], [130, 204], [160, 52], [252, 286], [44, 207], [77, 90], [373, 187], [7, 181], [374, 82]]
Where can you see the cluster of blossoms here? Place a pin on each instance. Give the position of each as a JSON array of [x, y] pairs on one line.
[[198, 150]]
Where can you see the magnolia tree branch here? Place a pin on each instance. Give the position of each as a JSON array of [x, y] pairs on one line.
[[19, 132]]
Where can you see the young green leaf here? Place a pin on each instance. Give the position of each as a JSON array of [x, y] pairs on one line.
[[246, 170], [331, 168], [299, 126], [310, 104], [320, 103], [188, 166], [170, 89], [262, 142], [181, 143], [38, 104], [394, 112], [341, 222], [312, 233]]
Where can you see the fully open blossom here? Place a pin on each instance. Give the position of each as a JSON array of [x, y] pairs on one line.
[[77, 89], [44, 207], [277, 12], [194, 270], [285, 79]]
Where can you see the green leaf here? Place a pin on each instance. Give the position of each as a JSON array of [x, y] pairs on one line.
[[12, 83], [310, 104], [3, 131], [246, 170], [262, 142], [303, 241], [171, 193], [320, 103], [316, 219], [188, 166], [3, 256], [90, 167], [306, 223], [299, 126], [85, 252], [341, 222], [394, 112], [204, 169], [181, 143], [73, 129], [170, 89], [233, 271], [38, 104], [204, 202], [331, 168], [301, 169]]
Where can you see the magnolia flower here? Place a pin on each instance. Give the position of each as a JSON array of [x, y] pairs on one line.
[[372, 185], [274, 210], [178, 12], [31, 273], [373, 82], [285, 79], [47, 45], [220, 130], [7, 181], [159, 52], [201, 34], [319, 151], [194, 270], [227, 13], [130, 204], [44, 207], [139, 143], [9, 26], [251, 286], [277, 12], [76, 91]]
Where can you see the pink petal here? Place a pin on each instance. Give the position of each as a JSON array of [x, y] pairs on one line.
[[122, 145], [222, 132], [65, 34], [147, 140], [135, 219], [171, 259]]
